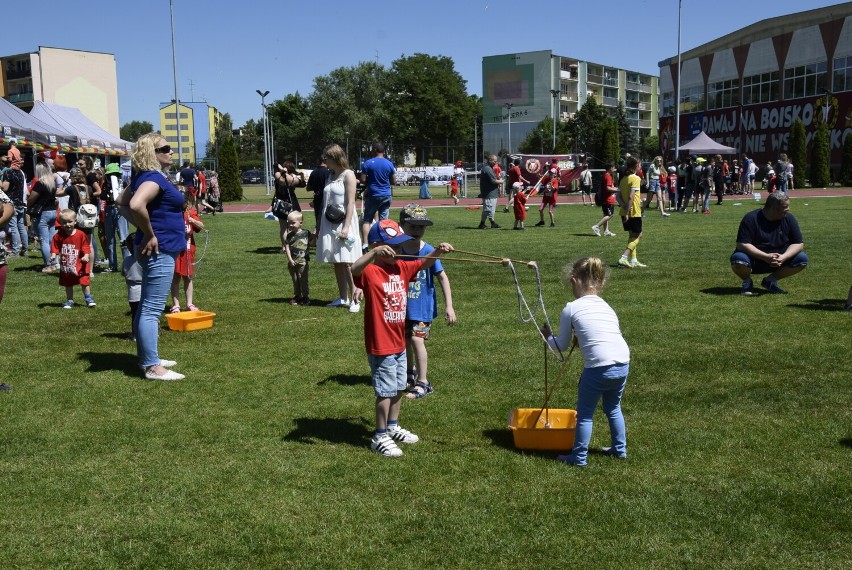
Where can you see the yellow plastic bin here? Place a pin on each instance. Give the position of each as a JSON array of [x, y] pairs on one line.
[[190, 320], [553, 431]]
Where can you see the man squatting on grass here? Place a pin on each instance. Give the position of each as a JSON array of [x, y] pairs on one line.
[[383, 280], [769, 241]]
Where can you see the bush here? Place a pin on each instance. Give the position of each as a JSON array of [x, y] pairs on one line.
[[229, 171], [820, 156], [798, 153]]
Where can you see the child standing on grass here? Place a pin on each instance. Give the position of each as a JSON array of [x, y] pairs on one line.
[[454, 190], [422, 300], [73, 249], [519, 206], [382, 281], [132, 272], [185, 262], [594, 327], [296, 242]]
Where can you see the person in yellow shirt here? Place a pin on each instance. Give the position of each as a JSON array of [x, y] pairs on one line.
[[631, 212]]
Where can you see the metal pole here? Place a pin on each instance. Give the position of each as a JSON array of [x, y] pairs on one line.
[[174, 73], [272, 161], [509, 111], [263, 95], [554, 110], [677, 92]]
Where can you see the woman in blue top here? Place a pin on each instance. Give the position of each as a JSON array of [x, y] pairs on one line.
[[155, 207]]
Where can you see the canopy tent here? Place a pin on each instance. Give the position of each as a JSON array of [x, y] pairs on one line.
[[92, 138], [702, 144], [30, 131]]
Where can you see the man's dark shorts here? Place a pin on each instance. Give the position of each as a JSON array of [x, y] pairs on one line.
[[632, 225], [760, 266], [608, 209]]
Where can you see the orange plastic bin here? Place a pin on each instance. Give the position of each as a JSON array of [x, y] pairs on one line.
[[552, 431], [190, 320]]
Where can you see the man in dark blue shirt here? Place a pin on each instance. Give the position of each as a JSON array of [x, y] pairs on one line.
[[769, 241]]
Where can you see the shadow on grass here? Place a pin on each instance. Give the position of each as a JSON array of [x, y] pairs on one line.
[[31, 268], [846, 442], [727, 291], [49, 305], [821, 305], [118, 335], [350, 431], [503, 438], [265, 250], [346, 380], [104, 361], [276, 300]]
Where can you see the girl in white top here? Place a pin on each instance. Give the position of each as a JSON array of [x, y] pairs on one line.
[[593, 326]]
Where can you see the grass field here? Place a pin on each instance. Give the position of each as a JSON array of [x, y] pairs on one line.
[[737, 410]]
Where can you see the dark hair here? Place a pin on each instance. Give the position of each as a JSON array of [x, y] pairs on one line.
[[631, 163], [378, 148], [516, 162]]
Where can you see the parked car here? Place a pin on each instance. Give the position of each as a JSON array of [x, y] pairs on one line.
[[251, 177]]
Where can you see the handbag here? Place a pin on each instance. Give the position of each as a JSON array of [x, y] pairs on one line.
[[335, 214], [281, 208]]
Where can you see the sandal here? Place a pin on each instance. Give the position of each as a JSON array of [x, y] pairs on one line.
[[175, 309], [420, 390], [192, 308]]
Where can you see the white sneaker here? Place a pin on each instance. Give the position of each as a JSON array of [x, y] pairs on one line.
[[169, 375], [636, 263], [609, 233], [385, 446], [354, 307], [666, 215], [402, 435], [597, 231], [167, 363], [338, 303]]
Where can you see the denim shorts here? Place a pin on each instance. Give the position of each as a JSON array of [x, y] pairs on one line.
[[387, 374], [654, 186], [373, 204], [760, 266]]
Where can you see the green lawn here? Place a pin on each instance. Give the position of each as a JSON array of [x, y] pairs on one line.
[[737, 410], [256, 193]]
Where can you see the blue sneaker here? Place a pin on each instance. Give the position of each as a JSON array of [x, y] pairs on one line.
[[772, 286], [748, 287], [69, 304]]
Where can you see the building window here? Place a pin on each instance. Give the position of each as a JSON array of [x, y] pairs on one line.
[[170, 115], [692, 99], [722, 94], [184, 115], [668, 104], [842, 74], [760, 88], [170, 127], [184, 139], [171, 139], [805, 80]]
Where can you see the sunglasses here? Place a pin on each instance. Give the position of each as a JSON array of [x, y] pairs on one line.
[[165, 149]]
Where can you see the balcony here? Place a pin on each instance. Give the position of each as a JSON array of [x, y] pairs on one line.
[[592, 78], [15, 73], [643, 88], [644, 124], [568, 96], [19, 97], [631, 104], [569, 75], [644, 106], [610, 101]]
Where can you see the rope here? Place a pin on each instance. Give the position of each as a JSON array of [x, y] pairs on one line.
[[527, 314], [206, 241]]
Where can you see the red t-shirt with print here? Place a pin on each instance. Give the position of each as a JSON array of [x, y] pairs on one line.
[[386, 298]]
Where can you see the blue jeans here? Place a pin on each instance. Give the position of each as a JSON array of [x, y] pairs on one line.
[[46, 230], [376, 204], [113, 222], [605, 382], [18, 229], [157, 273]]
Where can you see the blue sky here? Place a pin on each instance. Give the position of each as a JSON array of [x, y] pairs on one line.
[[227, 50]]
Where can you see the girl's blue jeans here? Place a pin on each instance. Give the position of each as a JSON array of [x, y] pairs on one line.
[[157, 273], [46, 231], [601, 383]]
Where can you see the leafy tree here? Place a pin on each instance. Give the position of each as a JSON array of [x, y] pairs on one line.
[[584, 130], [650, 146], [540, 139], [427, 103], [846, 164], [610, 147], [229, 170], [223, 128], [135, 129], [290, 118], [629, 144], [820, 156], [798, 153]]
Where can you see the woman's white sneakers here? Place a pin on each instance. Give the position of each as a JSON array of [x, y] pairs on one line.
[[168, 375]]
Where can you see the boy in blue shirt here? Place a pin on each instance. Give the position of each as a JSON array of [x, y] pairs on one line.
[[422, 299]]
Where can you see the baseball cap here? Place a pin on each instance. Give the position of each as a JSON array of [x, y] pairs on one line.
[[112, 168], [387, 232], [414, 214]]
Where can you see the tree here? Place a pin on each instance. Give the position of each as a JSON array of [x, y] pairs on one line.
[[610, 148], [540, 139], [229, 170], [820, 156], [428, 104], [629, 144], [846, 164], [650, 146], [290, 119], [798, 153], [134, 129], [585, 128]]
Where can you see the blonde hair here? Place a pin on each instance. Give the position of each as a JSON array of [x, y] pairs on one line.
[[144, 158], [67, 215], [590, 274], [295, 216], [338, 155], [45, 176]]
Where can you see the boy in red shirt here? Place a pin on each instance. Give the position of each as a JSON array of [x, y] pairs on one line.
[[520, 206], [382, 280], [73, 248], [550, 188]]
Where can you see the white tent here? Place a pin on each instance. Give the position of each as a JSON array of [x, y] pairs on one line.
[[74, 121], [702, 144], [16, 122]]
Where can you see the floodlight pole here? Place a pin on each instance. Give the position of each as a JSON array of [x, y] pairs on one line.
[[509, 111], [174, 74], [677, 91], [555, 93], [263, 95]]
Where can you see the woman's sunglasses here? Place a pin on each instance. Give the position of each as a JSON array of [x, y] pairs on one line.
[[165, 149]]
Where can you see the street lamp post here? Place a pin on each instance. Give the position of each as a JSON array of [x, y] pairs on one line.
[[555, 110], [677, 92], [347, 146], [509, 111], [174, 73], [263, 95]]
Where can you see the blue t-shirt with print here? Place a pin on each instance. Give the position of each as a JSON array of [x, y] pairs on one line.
[[422, 300]]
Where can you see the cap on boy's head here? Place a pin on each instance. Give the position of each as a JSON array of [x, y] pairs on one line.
[[387, 232], [414, 214], [13, 140]]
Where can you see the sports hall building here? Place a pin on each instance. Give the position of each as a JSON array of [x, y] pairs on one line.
[[747, 88]]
